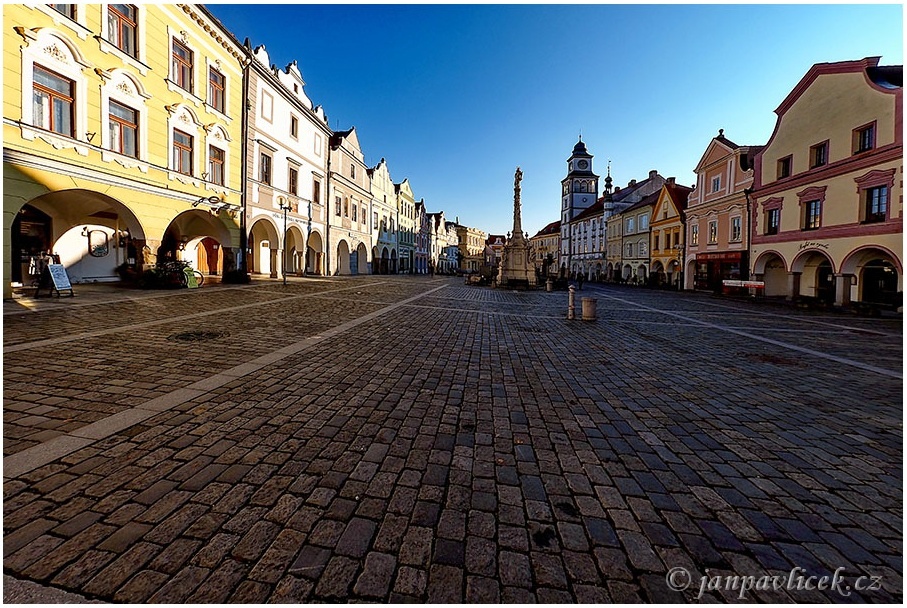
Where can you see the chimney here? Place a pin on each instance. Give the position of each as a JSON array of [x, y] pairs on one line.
[[632, 183], [652, 173], [670, 180]]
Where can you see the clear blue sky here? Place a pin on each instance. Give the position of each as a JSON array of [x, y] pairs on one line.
[[456, 96]]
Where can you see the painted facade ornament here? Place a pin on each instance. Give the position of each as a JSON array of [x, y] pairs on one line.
[[125, 88], [184, 35], [54, 51]]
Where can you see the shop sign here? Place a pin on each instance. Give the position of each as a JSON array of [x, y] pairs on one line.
[[732, 257], [748, 284]]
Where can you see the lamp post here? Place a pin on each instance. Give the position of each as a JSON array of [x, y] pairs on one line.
[[285, 206]]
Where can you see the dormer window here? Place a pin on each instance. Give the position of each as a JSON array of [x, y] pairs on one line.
[[864, 138]]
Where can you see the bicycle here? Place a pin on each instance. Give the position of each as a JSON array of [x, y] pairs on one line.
[[189, 272]]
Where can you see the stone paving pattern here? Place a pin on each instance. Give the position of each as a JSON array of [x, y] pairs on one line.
[[469, 446]]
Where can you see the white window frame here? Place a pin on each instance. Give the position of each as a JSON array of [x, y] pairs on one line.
[[738, 228], [218, 137], [123, 88], [192, 97], [217, 65], [52, 50], [716, 183], [183, 118], [112, 49]]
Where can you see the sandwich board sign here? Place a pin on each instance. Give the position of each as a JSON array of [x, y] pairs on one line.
[[54, 279]]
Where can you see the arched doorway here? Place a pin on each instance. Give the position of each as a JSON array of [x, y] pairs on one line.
[[314, 262], [817, 279], [880, 283], [264, 243], [361, 259], [196, 237], [295, 250], [344, 259], [659, 277], [385, 261], [90, 233], [641, 274], [393, 268], [770, 266], [877, 274]]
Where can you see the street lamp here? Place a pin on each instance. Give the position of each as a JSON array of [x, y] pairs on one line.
[[285, 206]]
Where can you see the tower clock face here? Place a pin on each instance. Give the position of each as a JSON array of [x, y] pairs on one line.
[[583, 164]]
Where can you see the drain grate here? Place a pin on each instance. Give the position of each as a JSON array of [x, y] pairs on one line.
[[197, 336]]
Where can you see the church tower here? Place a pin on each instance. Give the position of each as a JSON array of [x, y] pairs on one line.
[[579, 191]]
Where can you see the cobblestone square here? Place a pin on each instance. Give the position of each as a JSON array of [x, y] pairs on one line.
[[400, 439]]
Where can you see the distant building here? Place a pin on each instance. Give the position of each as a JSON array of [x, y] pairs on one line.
[[666, 228], [579, 191], [349, 232], [545, 245], [383, 220], [471, 246], [406, 228], [634, 241]]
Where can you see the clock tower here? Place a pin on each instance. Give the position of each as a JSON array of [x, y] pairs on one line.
[[579, 191]]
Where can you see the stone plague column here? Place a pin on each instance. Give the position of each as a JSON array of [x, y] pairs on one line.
[[516, 267]]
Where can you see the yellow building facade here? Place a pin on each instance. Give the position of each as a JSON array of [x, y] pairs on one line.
[[666, 236], [827, 210], [122, 127]]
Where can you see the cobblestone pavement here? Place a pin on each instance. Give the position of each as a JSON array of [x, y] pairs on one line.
[[412, 439]]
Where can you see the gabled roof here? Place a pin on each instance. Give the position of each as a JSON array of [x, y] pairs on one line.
[[552, 228], [596, 208], [679, 195], [646, 200]]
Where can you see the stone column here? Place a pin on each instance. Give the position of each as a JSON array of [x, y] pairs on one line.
[[275, 263], [793, 283], [842, 289]]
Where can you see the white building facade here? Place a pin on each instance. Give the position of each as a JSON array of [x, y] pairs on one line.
[[286, 169], [384, 220]]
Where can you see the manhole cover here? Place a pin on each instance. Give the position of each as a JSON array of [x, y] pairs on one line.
[[197, 336]]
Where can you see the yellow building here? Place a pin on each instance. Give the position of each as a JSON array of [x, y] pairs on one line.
[[122, 127], [471, 244], [666, 236], [547, 242], [828, 200]]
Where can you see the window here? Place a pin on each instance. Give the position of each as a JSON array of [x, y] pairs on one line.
[[337, 206], [355, 217], [216, 165], [655, 246], [65, 9], [353, 171], [293, 181], [818, 155], [784, 167], [694, 234], [631, 225], [812, 215], [876, 204], [772, 221], [375, 220], [294, 127], [716, 183], [363, 215], [629, 250], [182, 152], [121, 27], [182, 66], [346, 207], [643, 251], [53, 102], [713, 231], [644, 222], [316, 191], [264, 169], [864, 138], [217, 84], [736, 231], [124, 127]]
